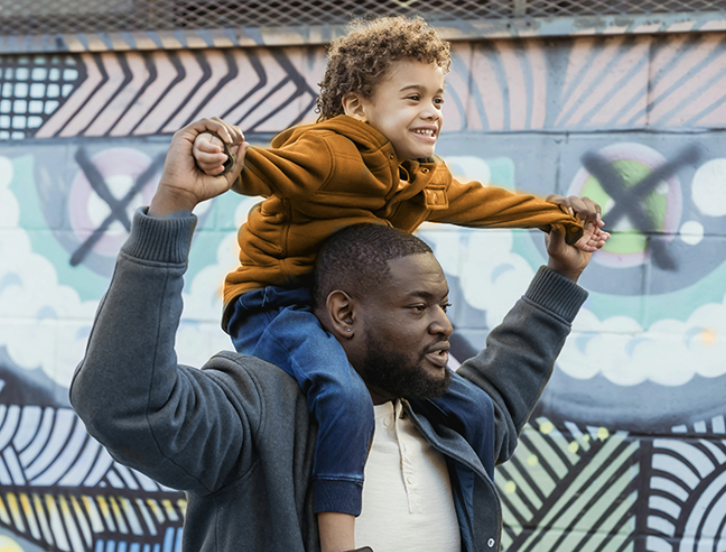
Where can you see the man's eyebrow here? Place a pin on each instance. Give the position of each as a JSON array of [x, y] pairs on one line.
[[427, 295]]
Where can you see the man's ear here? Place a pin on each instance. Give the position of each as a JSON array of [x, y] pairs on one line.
[[353, 106], [340, 308]]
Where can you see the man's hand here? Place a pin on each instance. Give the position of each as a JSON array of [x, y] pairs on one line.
[[590, 213], [568, 260], [182, 185]]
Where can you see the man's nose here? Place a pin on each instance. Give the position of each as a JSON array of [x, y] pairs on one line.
[[441, 324]]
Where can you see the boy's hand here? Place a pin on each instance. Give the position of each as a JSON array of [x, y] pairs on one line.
[[590, 213], [209, 153], [182, 185]]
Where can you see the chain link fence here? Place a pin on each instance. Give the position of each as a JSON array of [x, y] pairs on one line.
[[49, 17]]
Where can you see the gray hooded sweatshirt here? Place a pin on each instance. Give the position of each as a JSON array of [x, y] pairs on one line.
[[236, 435]]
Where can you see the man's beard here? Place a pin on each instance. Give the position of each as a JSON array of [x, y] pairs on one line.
[[393, 373]]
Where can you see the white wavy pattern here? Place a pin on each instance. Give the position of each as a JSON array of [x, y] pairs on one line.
[[687, 505], [64, 492]]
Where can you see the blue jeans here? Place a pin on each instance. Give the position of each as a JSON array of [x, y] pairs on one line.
[[278, 325]]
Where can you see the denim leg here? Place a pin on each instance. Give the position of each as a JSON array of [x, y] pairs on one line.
[[292, 338]]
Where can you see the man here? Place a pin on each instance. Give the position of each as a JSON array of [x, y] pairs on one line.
[[236, 435]]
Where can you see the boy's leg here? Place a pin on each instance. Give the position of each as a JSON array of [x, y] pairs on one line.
[[291, 337]]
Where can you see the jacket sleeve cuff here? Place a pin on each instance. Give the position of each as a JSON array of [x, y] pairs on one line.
[[556, 293], [164, 240]]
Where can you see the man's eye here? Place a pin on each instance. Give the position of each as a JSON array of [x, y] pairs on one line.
[[418, 308], [446, 306]]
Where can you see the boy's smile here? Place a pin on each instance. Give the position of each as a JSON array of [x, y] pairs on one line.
[[406, 108]]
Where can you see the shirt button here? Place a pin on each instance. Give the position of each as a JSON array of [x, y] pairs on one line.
[[410, 480], [491, 543], [387, 421]]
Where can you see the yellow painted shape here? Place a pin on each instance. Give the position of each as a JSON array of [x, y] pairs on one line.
[[15, 511], [29, 515], [602, 433], [156, 510], [82, 521], [118, 515], [106, 513], [44, 526], [546, 428], [93, 514], [7, 544]]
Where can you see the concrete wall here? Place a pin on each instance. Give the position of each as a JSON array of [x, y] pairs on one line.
[[627, 448]]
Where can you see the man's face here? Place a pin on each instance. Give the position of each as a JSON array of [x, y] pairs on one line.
[[406, 108], [406, 331]]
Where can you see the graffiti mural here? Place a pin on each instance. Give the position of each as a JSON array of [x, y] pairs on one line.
[[627, 448]]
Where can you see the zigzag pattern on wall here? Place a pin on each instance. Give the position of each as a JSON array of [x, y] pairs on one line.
[[50, 466], [131, 94], [569, 488], [618, 82]]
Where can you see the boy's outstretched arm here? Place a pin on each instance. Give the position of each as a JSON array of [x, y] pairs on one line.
[[590, 213]]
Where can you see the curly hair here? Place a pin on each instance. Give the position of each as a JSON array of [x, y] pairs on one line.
[[359, 61]]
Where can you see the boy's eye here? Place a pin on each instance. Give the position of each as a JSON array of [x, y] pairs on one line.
[[439, 101], [414, 97]]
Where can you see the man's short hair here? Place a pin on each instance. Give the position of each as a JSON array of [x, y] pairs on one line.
[[355, 259], [359, 61]]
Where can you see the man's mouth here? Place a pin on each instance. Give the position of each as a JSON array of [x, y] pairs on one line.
[[438, 355]]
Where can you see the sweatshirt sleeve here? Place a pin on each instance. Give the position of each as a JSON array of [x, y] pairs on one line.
[[176, 424], [475, 205], [520, 354], [291, 171]]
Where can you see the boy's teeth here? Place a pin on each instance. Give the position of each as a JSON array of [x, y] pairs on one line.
[[426, 132]]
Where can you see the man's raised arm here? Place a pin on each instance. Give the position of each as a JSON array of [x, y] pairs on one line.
[[520, 354], [173, 423]]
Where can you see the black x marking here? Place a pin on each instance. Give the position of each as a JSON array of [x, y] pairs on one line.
[[118, 206], [629, 200]]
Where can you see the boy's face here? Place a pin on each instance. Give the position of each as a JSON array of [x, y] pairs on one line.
[[406, 108]]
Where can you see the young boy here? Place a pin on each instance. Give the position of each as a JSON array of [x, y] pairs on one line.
[[369, 158]]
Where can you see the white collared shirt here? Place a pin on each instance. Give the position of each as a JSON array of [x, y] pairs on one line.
[[407, 498]]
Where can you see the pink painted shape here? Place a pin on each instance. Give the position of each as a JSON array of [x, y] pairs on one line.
[[492, 95], [637, 85], [515, 85], [535, 51], [165, 73], [714, 119], [595, 72], [274, 74], [457, 82], [97, 101], [173, 100], [579, 53], [218, 67], [74, 102], [703, 100], [685, 93], [112, 113]]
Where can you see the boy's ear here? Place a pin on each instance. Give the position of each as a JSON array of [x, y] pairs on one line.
[[341, 317], [353, 106]]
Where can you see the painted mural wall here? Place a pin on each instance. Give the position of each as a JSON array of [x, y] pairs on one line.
[[627, 449]]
